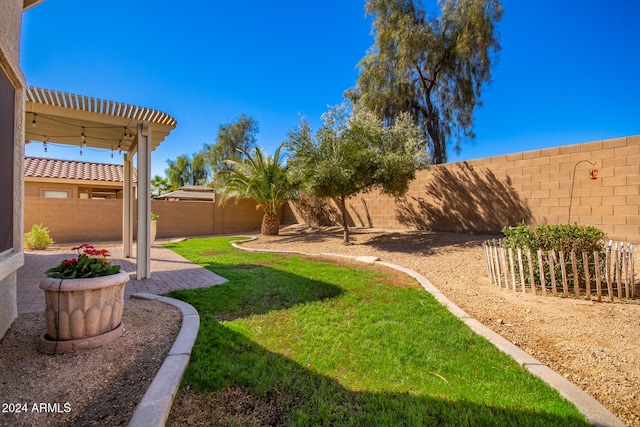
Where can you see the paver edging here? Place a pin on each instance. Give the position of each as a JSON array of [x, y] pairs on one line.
[[596, 413], [153, 410]]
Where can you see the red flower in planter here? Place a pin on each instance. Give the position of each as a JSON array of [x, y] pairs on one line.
[[68, 262], [91, 262]]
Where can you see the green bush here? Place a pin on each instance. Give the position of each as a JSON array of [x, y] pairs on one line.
[[556, 237], [38, 238]]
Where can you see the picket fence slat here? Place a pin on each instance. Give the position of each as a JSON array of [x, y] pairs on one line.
[[543, 282], [631, 272], [505, 269], [608, 273], [512, 269], [618, 272], [625, 267], [576, 277], [596, 268], [521, 270], [552, 272], [563, 268], [587, 276], [532, 277]]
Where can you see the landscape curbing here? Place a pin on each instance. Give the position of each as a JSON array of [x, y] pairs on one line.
[[596, 413], [153, 410]]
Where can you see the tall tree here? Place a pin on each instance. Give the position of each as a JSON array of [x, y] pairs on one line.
[[200, 170], [179, 171], [354, 153], [185, 170], [261, 178], [431, 67], [159, 185], [232, 140]]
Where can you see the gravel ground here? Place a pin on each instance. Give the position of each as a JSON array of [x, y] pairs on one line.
[[596, 345], [94, 387]]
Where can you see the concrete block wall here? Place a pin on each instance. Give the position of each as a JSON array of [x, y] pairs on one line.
[[75, 220], [81, 220], [484, 195], [186, 218]]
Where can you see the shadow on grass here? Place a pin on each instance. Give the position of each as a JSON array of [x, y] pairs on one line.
[[233, 381], [256, 289]]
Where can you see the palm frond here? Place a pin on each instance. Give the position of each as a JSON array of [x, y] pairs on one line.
[[259, 177]]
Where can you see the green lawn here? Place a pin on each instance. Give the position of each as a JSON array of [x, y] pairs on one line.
[[292, 341]]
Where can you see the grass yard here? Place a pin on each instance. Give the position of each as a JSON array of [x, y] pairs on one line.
[[299, 342]]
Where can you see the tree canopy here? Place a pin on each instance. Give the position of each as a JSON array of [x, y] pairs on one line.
[[233, 139], [432, 67], [159, 186], [354, 152], [185, 170]]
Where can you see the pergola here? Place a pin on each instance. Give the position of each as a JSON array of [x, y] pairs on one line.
[[54, 116]]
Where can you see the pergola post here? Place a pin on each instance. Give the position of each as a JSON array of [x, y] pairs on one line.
[[143, 269], [127, 205]]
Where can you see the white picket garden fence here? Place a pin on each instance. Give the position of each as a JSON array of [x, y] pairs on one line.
[[609, 273]]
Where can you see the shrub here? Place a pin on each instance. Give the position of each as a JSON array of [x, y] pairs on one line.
[[556, 237], [38, 238]]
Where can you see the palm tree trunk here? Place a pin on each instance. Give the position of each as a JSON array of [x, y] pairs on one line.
[[270, 224]]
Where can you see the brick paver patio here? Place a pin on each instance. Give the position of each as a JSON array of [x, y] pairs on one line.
[[169, 271]]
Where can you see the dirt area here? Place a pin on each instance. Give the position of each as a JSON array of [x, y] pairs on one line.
[[596, 345], [95, 387]]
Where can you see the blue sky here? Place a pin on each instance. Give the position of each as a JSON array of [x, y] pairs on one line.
[[568, 71]]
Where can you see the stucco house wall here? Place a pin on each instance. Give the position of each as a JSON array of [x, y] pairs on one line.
[[14, 83], [75, 179]]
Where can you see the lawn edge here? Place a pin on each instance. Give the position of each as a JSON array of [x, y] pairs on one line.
[[155, 406]]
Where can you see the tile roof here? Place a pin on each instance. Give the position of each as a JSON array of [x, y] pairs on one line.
[[72, 169]]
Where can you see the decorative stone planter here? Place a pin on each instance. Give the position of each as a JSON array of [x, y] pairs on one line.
[[153, 226], [82, 313]]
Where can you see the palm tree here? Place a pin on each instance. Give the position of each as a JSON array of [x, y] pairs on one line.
[[262, 178]]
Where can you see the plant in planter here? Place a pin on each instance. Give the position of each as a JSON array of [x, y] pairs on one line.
[[153, 218], [84, 302]]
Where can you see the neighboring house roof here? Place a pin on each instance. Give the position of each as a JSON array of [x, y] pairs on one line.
[[38, 167], [190, 192]]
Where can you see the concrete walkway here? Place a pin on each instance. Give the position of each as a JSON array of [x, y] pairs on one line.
[[169, 272]]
